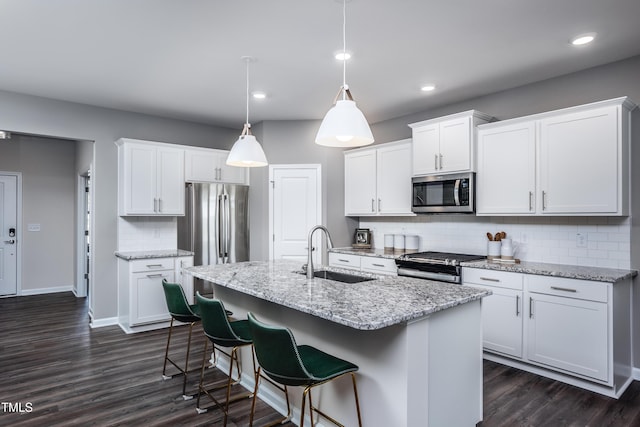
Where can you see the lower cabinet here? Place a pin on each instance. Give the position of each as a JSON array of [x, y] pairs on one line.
[[370, 264], [141, 302], [576, 331]]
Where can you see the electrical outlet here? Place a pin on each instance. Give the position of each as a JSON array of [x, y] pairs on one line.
[[581, 240]]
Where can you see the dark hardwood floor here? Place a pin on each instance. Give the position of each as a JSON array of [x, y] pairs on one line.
[[62, 373]]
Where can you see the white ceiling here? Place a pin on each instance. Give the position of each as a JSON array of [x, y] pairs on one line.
[[181, 58]]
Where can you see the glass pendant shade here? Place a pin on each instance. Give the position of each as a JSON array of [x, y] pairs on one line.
[[344, 126], [247, 152]]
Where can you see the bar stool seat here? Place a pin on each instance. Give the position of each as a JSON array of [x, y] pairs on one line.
[[289, 364], [223, 334], [180, 311]]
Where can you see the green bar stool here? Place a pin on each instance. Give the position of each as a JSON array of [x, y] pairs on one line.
[[290, 364], [223, 334], [180, 311]]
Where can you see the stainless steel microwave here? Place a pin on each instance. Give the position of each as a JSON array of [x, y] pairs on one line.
[[454, 193]]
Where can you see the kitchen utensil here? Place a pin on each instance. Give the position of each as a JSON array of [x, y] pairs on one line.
[[489, 236], [398, 242]]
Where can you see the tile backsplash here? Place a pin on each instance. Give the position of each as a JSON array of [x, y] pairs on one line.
[[147, 233], [588, 241]]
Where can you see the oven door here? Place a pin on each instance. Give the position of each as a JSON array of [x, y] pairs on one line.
[[443, 193]]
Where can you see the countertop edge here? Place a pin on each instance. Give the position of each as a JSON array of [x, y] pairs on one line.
[[169, 253]]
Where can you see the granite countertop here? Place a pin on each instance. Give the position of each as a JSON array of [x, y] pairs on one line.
[[598, 274], [162, 253], [375, 304], [373, 252]]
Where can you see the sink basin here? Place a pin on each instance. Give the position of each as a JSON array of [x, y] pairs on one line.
[[340, 277]]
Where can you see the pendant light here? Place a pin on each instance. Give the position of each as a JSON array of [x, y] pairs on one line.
[[247, 151], [344, 125]]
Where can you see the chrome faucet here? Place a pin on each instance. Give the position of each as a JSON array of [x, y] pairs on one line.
[[310, 248]]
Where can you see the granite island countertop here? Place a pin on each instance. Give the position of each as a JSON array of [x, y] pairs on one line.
[[374, 304], [598, 274], [162, 253]]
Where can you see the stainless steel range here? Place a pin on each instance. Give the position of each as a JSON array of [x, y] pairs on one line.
[[442, 266]]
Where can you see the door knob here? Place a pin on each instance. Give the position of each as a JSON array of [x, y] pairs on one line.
[[11, 242]]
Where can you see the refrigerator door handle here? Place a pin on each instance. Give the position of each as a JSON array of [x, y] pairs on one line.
[[221, 227], [192, 216], [227, 219]]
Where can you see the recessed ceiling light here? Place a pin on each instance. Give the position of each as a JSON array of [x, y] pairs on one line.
[[583, 39], [343, 56], [428, 88], [259, 95]]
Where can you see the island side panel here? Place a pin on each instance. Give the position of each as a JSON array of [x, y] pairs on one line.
[[380, 354], [455, 366]]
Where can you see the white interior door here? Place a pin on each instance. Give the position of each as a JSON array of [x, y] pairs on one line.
[[8, 234], [295, 207]]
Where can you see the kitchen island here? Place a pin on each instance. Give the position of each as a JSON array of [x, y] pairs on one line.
[[418, 343]]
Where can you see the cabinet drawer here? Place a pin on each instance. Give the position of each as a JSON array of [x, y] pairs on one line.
[[499, 279], [570, 288], [344, 260], [378, 265], [152, 264]]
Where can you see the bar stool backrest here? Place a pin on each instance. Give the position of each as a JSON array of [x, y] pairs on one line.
[[177, 302], [216, 324], [278, 354]]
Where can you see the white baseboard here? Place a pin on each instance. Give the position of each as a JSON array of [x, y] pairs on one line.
[[99, 323], [27, 292]]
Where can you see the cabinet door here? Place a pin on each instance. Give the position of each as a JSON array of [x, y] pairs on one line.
[[231, 174], [139, 175], [569, 334], [170, 181], [426, 149], [394, 179], [455, 145], [579, 155], [148, 304], [506, 170], [185, 279], [360, 183], [201, 165], [502, 321]]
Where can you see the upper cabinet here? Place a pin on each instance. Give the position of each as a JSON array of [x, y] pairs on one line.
[[378, 180], [573, 161], [207, 165], [150, 178], [446, 144]]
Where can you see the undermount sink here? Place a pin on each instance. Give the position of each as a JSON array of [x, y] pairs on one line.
[[340, 277]]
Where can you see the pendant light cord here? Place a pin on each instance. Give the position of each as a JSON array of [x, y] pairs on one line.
[[344, 50], [247, 121]]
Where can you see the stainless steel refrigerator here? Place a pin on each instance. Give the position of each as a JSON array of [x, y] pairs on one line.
[[215, 225]]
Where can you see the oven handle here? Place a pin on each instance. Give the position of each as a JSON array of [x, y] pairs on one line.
[[456, 192], [441, 277]]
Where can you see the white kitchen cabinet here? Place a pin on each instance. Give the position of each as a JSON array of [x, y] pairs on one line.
[[568, 333], [583, 161], [568, 162], [141, 301], [445, 144], [576, 331], [502, 318], [506, 178], [370, 264], [150, 178], [378, 180], [209, 165]]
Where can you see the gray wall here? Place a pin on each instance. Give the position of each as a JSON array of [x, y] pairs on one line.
[[48, 188], [33, 115]]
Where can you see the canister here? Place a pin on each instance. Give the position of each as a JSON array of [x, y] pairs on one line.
[[398, 242]]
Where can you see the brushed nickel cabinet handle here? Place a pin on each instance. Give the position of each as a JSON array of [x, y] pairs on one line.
[[153, 276], [489, 279], [556, 288], [530, 200], [373, 205], [378, 265], [435, 161], [440, 161], [517, 305], [530, 308], [544, 200]]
